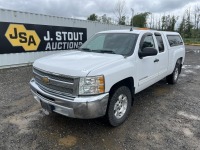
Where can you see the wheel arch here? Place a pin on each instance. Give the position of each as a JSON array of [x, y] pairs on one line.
[[129, 82]]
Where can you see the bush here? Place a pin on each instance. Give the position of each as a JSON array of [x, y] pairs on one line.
[[191, 40]]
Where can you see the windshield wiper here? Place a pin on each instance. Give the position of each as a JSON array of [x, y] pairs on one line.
[[109, 51], [105, 51], [85, 49], [100, 51]]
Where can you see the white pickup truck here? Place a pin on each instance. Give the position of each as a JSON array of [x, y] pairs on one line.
[[103, 75]]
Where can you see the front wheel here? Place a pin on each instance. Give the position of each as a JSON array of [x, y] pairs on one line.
[[173, 78], [119, 106]]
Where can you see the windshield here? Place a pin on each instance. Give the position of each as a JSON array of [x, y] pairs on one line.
[[115, 43]]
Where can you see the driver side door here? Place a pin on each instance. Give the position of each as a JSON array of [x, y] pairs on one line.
[[146, 66]]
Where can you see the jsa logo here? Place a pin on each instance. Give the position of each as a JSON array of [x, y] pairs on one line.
[[17, 35]]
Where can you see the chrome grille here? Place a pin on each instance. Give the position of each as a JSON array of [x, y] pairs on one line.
[[56, 93], [58, 85], [54, 76]]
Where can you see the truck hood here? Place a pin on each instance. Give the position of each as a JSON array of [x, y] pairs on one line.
[[75, 63]]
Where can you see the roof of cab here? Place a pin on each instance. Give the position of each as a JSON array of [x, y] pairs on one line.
[[138, 31], [122, 31]]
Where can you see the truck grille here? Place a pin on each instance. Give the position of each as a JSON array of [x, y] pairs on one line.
[[58, 85]]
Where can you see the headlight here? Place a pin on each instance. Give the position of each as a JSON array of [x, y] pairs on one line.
[[91, 85]]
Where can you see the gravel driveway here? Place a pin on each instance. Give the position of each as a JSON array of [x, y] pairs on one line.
[[163, 117]]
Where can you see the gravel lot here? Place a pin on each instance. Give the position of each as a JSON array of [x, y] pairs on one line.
[[163, 117]]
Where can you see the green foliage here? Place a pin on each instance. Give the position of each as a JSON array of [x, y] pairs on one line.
[[173, 21], [186, 26], [122, 21], [168, 22], [105, 19], [140, 20], [182, 26], [93, 17], [191, 40]]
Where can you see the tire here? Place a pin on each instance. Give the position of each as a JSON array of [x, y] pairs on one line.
[[119, 106], [173, 78]]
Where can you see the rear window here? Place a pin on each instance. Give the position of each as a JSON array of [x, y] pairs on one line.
[[174, 40]]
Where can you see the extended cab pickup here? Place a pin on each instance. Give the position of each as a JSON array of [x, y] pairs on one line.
[[102, 76]]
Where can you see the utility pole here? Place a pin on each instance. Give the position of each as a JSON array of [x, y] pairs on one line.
[[132, 10]]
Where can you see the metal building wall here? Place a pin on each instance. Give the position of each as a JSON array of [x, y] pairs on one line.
[[18, 59]]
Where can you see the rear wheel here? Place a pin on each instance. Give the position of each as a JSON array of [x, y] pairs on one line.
[[119, 106], [173, 78]]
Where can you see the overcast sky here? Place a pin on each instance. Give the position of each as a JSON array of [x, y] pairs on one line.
[[83, 8]]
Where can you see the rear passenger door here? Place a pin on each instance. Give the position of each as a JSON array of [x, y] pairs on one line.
[[162, 56]]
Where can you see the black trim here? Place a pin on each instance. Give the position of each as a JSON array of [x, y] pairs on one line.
[[157, 34], [143, 37]]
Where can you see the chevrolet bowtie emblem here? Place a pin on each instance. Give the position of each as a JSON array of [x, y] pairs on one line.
[[45, 80]]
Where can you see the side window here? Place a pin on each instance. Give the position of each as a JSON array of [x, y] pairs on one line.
[[148, 42], [161, 46], [174, 40]]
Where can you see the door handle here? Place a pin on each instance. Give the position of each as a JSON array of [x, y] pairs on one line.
[[156, 60]]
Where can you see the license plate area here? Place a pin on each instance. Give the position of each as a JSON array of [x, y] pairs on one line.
[[47, 109]]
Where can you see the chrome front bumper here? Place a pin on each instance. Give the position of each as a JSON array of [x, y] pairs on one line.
[[84, 107]]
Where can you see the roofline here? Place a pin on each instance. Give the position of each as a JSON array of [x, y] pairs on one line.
[[27, 12]]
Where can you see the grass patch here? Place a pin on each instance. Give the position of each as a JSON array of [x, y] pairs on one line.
[[192, 41]]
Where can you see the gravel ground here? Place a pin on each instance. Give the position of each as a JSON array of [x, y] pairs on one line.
[[163, 117]]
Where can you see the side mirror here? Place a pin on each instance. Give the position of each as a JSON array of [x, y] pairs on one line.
[[147, 51]]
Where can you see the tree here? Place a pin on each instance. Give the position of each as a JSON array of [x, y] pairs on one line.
[[93, 17], [122, 21], [152, 23], [159, 24], [173, 21], [168, 22], [105, 19], [196, 32], [181, 28], [163, 20], [140, 20], [120, 11], [196, 17], [188, 24]]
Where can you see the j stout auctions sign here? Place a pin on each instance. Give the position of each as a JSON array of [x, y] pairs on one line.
[[18, 38]]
